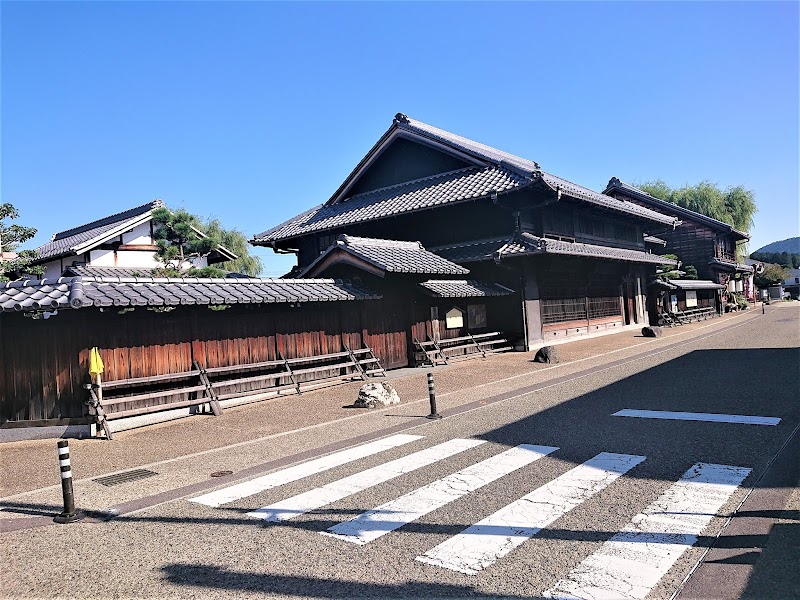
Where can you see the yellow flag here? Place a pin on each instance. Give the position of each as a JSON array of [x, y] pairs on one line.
[[95, 362]]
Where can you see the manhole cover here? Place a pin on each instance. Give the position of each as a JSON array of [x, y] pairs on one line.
[[125, 477], [221, 473]]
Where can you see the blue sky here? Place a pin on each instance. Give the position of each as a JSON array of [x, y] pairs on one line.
[[254, 111]]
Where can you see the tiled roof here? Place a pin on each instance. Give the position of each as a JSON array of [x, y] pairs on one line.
[[445, 188], [500, 172], [651, 239], [66, 242], [615, 184], [391, 256], [472, 251], [127, 272], [466, 145], [525, 244], [81, 292], [581, 193], [695, 284], [730, 265], [462, 288]]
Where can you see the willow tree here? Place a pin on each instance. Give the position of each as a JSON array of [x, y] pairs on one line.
[[235, 241], [735, 206]]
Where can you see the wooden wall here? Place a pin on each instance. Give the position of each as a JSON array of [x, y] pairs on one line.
[[45, 362]]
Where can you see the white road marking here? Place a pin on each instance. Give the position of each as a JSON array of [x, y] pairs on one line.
[[480, 545], [327, 494], [374, 523], [284, 476], [691, 416], [632, 562]]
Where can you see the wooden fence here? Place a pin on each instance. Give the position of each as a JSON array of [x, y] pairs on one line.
[[45, 362]]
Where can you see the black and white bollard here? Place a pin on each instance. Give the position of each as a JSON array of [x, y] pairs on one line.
[[432, 396], [70, 515]]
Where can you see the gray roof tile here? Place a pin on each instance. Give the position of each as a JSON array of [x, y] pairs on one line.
[[63, 243], [81, 292], [392, 256], [463, 288], [525, 244], [695, 284], [445, 188]]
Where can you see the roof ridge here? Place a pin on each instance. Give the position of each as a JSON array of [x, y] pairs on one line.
[[120, 216], [466, 144]]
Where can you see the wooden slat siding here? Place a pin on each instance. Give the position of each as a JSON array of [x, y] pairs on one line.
[[45, 363]]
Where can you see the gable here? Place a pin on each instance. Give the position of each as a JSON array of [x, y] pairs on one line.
[[405, 160]]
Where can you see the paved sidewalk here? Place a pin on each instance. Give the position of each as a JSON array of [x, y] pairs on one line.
[[30, 465]]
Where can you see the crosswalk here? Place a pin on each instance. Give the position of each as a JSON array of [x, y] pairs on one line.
[[628, 565]]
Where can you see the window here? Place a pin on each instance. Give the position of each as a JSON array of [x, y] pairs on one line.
[[454, 319], [325, 241]]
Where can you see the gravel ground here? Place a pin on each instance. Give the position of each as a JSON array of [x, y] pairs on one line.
[[181, 549]]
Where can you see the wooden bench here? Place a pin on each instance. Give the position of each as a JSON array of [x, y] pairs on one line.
[[477, 345], [208, 386]]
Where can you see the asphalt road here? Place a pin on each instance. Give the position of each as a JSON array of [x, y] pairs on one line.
[[173, 547]]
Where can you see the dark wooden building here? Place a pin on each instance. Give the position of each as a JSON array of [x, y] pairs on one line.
[[707, 244], [576, 260]]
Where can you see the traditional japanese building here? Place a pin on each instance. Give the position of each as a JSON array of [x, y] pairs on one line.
[[571, 261], [707, 244], [119, 245]]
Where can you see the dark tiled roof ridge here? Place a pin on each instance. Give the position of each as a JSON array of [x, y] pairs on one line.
[[118, 217], [467, 145], [617, 183]]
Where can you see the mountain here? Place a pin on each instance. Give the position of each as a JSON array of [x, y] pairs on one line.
[[792, 246]]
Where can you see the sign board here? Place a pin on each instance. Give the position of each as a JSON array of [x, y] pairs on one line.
[[454, 318], [673, 300], [691, 299]]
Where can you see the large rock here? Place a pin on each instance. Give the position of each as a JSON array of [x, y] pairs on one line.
[[651, 331], [548, 354], [377, 394]]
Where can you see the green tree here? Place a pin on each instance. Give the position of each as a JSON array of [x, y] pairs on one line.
[[772, 275], [668, 271], [179, 243], [691, 272], [235, 241], [11, 236], [735, 206]]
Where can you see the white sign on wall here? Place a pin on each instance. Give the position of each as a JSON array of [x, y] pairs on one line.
[[454, 318], [691, 299]]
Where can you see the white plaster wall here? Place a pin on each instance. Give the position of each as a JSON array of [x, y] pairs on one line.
[[101, 258], [136, 258], [138, 235], [52, 270]]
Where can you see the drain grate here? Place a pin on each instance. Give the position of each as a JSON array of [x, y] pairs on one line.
[[125, 477]]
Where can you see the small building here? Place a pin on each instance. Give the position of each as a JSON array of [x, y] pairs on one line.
[[675, 297], [122, 245]]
